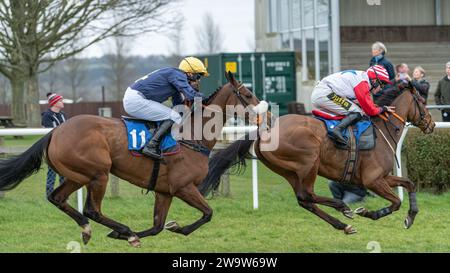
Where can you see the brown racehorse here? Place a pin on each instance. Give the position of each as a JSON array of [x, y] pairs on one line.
[[305, 151], [86, 148]]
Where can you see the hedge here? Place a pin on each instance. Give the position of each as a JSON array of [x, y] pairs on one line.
[[428, 160]]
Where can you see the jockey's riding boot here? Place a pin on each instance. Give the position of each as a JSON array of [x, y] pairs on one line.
[[152, 149], [351, 119]]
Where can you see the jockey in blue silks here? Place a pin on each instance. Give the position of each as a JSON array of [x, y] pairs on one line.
[[144, 98]]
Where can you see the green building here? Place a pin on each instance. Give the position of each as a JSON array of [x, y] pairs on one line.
[[271, 75]]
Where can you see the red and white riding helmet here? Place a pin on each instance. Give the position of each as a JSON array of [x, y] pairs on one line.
[[377, 72]]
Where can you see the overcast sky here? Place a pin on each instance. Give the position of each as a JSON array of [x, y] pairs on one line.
[[236, 18]]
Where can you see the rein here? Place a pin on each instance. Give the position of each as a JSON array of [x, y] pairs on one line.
[[240, 98], [386, 117]]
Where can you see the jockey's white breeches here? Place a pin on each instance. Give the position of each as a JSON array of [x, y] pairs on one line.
[[322, 98], [136, 105]]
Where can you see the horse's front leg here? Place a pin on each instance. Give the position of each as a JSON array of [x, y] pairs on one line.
[[381, 188], [161, 208], [192, 197], [395, 181]]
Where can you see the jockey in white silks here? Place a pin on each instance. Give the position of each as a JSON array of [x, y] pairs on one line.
[[339, 92]]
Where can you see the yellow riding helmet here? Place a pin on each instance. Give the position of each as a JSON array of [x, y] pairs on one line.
[[193, 65]]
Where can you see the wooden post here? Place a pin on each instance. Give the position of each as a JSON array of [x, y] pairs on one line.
[[224, 187], [114, 185], [2, 143]]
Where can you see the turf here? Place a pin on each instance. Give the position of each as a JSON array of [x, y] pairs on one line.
[[29, 223]]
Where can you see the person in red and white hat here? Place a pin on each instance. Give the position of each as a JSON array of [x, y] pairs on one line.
[[338, 93], [54, 115], [52, 118]]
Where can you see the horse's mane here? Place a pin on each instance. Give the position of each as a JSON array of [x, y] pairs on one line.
[[207, 100], [389, 95]]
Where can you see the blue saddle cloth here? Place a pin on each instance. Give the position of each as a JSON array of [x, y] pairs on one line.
[[358, 129], [139, 134]]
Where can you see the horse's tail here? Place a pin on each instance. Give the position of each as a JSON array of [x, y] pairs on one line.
[[14, 170], [223, 160]]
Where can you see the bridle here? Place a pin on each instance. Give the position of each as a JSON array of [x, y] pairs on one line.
[[237, 93], [239, 96], [422, 121], [386, 117]]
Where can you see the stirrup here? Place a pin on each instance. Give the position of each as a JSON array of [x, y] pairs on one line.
[[154, 153], [338, 140]]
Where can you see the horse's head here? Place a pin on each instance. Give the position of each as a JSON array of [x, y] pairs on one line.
[[410, 104], [418, 114], [240, 94], [234, 94]]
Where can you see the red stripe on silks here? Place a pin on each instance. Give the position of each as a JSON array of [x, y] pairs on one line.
[[326, 115]]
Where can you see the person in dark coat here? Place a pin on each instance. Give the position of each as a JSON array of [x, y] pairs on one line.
[[348, 193], [442, 95], [378, 57], [52, 118]]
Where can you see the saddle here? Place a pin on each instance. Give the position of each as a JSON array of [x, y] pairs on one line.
[[140, 131], [360, 136], [363, 132]]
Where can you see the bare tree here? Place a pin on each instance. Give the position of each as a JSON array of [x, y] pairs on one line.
[[176, 37], [34, 34], [52, 79], [120, 66], [4, 90], [210, 37], [176, 42], [74, 68]]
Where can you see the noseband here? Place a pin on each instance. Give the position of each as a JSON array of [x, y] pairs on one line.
[[423, 123], [239, 96]]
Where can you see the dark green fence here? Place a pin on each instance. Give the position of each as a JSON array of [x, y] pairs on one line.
[[271, 75]]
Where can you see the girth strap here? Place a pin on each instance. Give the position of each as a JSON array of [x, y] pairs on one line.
[[157, 163], [154, 177], [350, 165], [196, 147]]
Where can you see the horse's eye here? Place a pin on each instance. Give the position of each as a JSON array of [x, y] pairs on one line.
[[249, 96]]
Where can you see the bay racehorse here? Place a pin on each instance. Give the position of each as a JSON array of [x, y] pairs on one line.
[[86, 148], [305, 151]]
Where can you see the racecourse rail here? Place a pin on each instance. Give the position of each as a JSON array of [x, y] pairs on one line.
[[226, 131], [232, 131]]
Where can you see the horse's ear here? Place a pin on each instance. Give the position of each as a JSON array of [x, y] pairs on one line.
[[230, 77], [227, 76]]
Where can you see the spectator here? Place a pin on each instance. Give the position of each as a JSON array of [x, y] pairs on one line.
[[421, 85], [442, 95], [402, 71], [378, 57], [52, 118], [348, 193]]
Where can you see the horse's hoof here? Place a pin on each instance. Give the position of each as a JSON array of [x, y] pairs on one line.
[[86, 237], [113, 234], [349, 230], [408, 222], [134, 241], [172, 226], [86, 233], [348, 213], [361, 211]]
